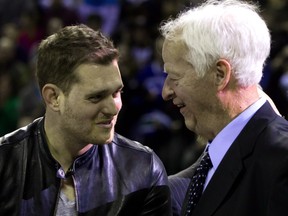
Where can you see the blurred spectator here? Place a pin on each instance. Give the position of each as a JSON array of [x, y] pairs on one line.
[[142, 12], [94, 21], [278, 85], [10, 10], [57, 9], [10, 30], [30, 101], [8, 104], [54, 24], [108, 10], [31, 32], [141, 45], [10, 64], [151, 75]]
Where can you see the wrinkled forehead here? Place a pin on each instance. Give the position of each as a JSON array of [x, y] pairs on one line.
[[173, 48], [173, 53]]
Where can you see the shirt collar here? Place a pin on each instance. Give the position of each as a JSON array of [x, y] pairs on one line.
[[222, 142]]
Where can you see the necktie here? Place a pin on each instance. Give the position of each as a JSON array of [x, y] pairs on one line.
[[197, 182]]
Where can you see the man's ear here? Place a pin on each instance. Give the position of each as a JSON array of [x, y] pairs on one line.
[[51, 93], [223, 73]]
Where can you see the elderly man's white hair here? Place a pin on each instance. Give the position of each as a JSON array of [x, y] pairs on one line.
[[229, 29]]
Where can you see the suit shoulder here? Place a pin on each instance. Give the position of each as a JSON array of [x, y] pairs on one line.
[[278, 128]]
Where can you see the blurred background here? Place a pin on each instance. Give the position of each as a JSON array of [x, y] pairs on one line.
[[133, 26]]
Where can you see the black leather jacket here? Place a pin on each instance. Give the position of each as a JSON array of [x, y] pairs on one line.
[[120, 178]]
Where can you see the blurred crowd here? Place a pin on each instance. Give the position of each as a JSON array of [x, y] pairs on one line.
[[133, 26]]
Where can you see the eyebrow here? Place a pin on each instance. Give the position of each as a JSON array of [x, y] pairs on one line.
[[104, 91]]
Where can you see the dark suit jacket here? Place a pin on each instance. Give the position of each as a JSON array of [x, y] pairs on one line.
[[252, 178]]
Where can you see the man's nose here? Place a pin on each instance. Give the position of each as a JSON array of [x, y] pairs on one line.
[[112, 106], [167, 91]]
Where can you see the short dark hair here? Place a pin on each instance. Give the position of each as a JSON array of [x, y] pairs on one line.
[[61, 53]]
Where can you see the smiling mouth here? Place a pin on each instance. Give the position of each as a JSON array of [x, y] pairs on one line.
[[106, 124], [181, 108]]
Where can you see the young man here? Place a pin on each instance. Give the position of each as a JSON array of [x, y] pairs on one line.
[[71, 161], [214, 55]]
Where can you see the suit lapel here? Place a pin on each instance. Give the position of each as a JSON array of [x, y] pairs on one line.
[[220, 184], [232, 164]]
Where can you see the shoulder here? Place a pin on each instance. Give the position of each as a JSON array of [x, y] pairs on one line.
[[180, 181], [131, 149], [178, 185], [267, 117], [135, 157], [19, 135], [275, 133], [267, 128], [272, 142], [264, 142], [131, 145], [15, 149]]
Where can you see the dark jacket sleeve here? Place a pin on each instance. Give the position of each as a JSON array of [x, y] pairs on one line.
[[158, 201]]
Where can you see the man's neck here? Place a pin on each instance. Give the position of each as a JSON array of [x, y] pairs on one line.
[[232, 102], [63, 150], [238, 100]]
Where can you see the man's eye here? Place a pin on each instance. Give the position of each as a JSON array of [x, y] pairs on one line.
[[95, 98], [118, 93]]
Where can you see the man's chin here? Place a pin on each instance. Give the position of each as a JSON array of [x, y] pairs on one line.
[[105, 140], [102, 137], [190, 125]]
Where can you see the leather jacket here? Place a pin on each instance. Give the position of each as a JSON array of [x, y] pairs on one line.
[[119, 178]]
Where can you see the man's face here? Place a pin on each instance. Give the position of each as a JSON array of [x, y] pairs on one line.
[[89, 112], [194, 96]]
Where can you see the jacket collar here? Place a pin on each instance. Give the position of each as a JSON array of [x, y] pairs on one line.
[[45, 152]]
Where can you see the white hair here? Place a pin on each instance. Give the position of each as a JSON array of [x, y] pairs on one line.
[[229, 29]]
